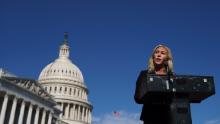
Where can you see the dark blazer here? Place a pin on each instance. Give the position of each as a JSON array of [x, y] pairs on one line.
[[153, 112]]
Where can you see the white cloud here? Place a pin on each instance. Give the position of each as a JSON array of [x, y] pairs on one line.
[[122, 118], [214, 121]]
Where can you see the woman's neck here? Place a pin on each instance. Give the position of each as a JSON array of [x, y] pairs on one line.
[[160, 70]]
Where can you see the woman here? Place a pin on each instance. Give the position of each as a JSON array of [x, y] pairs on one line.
[[160, 63]]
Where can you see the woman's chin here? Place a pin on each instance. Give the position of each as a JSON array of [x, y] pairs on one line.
[[158, 63]]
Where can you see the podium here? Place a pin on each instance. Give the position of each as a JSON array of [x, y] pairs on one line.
[[182, 90]]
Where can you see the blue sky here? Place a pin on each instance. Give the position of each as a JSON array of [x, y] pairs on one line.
[[111, 41]]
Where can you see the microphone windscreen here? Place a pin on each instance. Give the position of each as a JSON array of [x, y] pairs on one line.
[[165, 63]]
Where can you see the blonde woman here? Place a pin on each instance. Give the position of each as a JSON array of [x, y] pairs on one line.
[[160, 63]]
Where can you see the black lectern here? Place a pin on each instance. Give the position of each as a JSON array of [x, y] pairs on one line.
[[182, 90]]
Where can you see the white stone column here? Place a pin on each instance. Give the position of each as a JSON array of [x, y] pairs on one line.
[[29, 114], [52, 90], [4, 107], [64, 110], [78, 114], [49, 118], [67, 111], [36, 118], [73, 112], [13, 109], [76, 92], [67, 91], [90, 113], [87, 114], [81, 96], [84, 93], [43, 117], [83, 116], [80, 93], [61, 107], [21, 115], [89, 119]]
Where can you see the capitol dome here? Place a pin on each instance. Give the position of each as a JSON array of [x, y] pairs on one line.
[[64, 81], [62, 68]]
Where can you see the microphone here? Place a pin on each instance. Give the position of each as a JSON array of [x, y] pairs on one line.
[[165, 62], [167, 68]]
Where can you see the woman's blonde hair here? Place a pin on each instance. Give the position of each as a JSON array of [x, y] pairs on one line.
[[151, 67]]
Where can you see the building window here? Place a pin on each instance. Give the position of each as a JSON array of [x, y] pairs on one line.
[[60, 89], [78, 92], [65, 89], [50, 89], [74, 91], [70, 91]]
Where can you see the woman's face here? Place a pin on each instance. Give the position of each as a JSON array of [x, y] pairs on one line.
[[160, 55]]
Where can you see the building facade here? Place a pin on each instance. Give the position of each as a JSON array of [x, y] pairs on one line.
[[24, 101], [64, 81]]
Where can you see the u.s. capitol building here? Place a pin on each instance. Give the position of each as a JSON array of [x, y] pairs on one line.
[[63, 98]]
